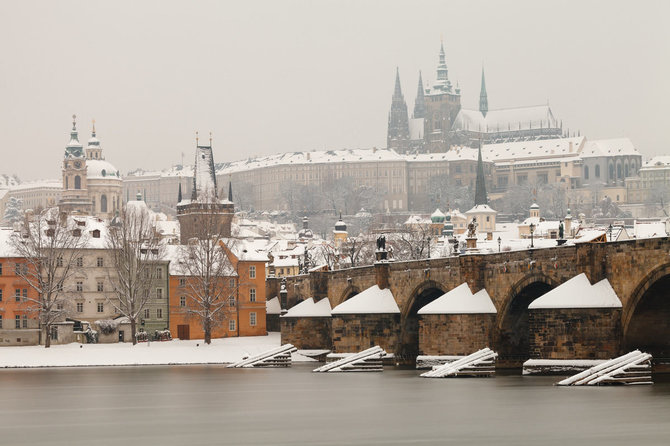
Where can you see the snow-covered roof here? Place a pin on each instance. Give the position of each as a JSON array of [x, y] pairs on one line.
[[309, 308], [481, 209], [657, 162], [508, 119], [39, 184], [178, 256], [578, 293], [283, 263], [608, 147], [545, 150], [649, 230], [372, 300], [588, 235], [249, 250], [456, 154], [101, 169], [272, 306], [460, 300]]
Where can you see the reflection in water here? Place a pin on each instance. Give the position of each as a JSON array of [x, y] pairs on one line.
[[208, 405]]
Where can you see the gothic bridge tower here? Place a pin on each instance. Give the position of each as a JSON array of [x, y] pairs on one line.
[[205, 215]]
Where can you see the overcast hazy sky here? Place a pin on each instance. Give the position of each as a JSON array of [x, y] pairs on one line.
[[274, 76]]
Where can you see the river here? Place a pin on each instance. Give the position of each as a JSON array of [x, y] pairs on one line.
[[211, 405]]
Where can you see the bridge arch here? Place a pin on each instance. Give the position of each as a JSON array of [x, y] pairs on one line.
[[422, 294], [348, 293], [512, 340], [646, 314]]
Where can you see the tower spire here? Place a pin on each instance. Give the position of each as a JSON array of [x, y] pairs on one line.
[[480, 191], [93, 131], [483, 98], [230, 191], [397, 136], [179, 194], [420, 101]]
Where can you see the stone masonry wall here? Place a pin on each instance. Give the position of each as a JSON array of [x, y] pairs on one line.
[[307, 333], [575, 333], [353, 333], [455, 334]]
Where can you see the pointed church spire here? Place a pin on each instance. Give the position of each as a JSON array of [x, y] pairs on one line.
[[442, 83], [480, 191], [93, 131], [397, 136], [420, 101], [230, 191], [397, 92], [483, 98]]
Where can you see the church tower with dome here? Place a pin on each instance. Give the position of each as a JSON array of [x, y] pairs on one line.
[[91, 185]]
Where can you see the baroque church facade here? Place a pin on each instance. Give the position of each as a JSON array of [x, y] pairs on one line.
[[91, 185], [439, 122]]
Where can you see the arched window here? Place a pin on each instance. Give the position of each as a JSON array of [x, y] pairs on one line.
[[67, 182], [625, 170], [586, 172], [597, 170], [103, 203], [77, 182], [611, 172], [618, 171]]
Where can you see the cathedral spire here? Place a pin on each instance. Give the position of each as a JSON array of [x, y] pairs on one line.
[[483, 99], [398, 126], [420, 101], [230, 191], [397, 92], [442, 83], [480, 191]]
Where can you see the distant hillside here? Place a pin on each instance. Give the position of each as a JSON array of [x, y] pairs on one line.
[[9, 180]]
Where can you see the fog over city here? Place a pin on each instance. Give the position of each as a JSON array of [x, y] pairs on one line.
[[268, 77]]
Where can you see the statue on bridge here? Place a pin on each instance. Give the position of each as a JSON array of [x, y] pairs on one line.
[[472, 228], [381, 243]]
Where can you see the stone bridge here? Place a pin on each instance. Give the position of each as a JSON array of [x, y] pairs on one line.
[[638, 270]]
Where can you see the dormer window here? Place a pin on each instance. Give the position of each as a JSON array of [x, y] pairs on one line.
[[96, 233], [76, 232]]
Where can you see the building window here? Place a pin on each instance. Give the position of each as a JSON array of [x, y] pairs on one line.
[[17, 295], [232, 283], [231, 301], [231, 325], [0, 294], [159, 293], [99, 262], [0, 269], [597, 171], [25, 321], [80, 286], [25, 294], [159, 313], [252, 295], [101, 307], [59, 261], [77, 182], [79, 262], [252, 318], [252, 272], [103, 203], [0, 321], [17, 268], [159, 273], [145, 293], [182, 282], [100, 286], [147, 313], [586, 172], [80, 307], [17, 321], [182, 301]]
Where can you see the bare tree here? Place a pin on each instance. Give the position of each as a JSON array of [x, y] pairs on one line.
[[135, 248], [212, 283], [51, 244], [359, 250], [411, 244]]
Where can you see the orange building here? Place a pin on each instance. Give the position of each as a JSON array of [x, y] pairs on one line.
[[244, 311], [19, 319]]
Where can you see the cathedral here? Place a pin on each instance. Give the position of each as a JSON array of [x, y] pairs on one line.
[[91, 185], [439, 122]]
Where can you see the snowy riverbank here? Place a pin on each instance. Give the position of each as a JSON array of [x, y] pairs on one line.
[[220, 351]]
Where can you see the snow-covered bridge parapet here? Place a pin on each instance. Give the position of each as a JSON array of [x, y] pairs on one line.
[[635, 270]]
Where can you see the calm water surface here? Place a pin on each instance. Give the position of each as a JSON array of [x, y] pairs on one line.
[[210, 405]]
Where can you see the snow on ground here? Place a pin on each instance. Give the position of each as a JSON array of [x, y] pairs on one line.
[[220, 351]]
